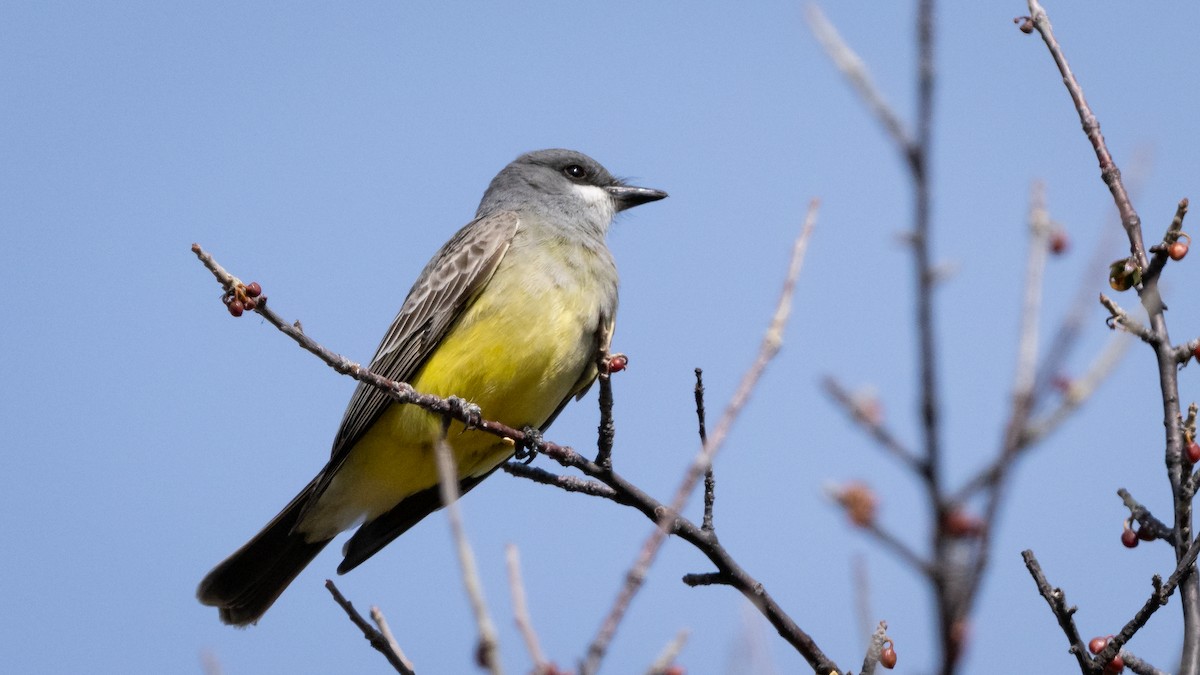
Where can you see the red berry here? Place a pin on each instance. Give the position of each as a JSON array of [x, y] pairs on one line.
[[236, 308], [617, 363], [251, 303], [1196, 352], [1129, 538], [1177, 250], [887, 658], [253, 289], [1193, 452], [1059, 243], [1097, 644], [1117, 665]]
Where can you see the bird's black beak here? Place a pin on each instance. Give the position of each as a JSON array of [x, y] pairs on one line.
[[628, 196]]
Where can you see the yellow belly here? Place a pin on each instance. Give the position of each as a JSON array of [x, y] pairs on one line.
[[517, 361]]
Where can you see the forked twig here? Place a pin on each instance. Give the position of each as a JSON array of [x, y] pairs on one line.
[[770, 346]]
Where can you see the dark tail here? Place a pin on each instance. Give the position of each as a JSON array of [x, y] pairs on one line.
[[246, 584]]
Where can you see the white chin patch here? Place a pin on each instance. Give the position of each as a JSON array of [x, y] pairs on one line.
[[596, 198]]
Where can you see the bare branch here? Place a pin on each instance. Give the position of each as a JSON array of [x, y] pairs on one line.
[[1031, 310], [770, 346], [1081, 389], [1122, 319], [1158, 598], [386, 631], [862, 596], [879, 639], [1091, 127], [607, 429], [710, 481], [872, 424], [521, 608], [1145, 519], [902, 551], [1138, 666], [1162, 251], [568, 483], [209, 663], [669, 653], [377, 639], [855, 72], [1062, 612], [448, 475]]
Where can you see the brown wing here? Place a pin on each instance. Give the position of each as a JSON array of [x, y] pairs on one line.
[[447, 285]]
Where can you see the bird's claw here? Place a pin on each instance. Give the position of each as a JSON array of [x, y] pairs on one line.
[[528, 449], [471, 414]]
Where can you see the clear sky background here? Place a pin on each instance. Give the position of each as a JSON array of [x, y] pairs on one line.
[[326, 150]]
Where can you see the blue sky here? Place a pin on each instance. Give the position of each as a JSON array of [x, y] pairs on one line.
[[326, 150]]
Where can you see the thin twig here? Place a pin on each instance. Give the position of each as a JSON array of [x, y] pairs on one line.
[[1024, 398], [377, 639], [1145, 519], [862, 596], [386, 631], [1172, 234], [1120, 318], [1158, 598], [669, 653], [875, 648], [902, 551], [209, 663], [856, 73], [1081, 389], [871, 424], [1062, 612], [710, 481], [771, 343], [1139, 666], [521, 608], [448, 475], [1031, 310], [607, 430], [568, 483], [1091, 127]]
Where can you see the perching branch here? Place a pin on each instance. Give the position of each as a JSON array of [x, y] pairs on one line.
[[623, 491]]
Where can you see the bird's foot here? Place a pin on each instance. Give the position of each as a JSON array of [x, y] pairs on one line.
[[468, 412], [528, 449]]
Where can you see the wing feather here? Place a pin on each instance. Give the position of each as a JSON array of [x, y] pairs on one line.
[[447, 286]]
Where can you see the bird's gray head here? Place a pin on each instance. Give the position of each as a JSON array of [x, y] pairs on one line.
[[567, 186]]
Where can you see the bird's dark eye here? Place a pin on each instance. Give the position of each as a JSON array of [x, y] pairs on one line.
[[575, 171]]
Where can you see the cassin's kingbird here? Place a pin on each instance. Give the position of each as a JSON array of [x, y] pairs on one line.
[[511, 315]]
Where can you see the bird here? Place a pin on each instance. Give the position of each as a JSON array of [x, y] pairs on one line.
[[512, 316]]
